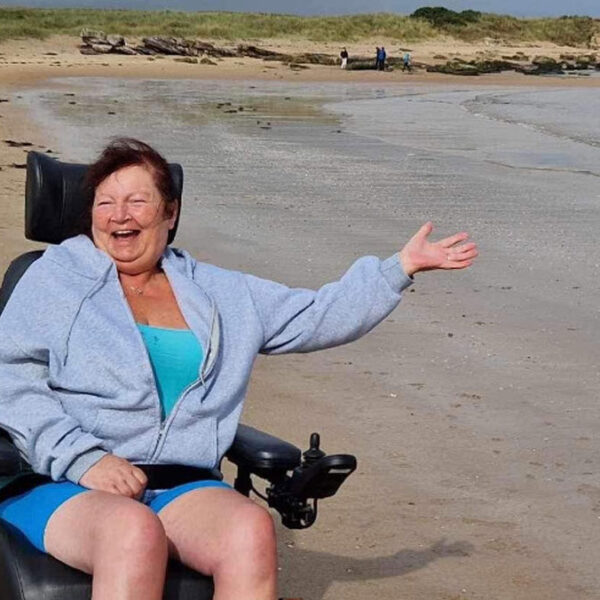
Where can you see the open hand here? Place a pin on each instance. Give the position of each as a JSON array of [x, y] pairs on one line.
[[419, 254], [115, 475]]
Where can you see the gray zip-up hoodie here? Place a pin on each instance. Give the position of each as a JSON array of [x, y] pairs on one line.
[[76, 381]]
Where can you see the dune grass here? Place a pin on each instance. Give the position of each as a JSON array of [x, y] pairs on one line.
[[41, 23], [566, 31]]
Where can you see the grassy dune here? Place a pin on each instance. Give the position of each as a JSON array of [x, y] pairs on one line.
[[40, 23]]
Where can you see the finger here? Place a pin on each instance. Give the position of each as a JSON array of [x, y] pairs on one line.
[[460, 256], [141, 481], [463, 248], [453, 239], [424, 230], [134, 485], [140, 476], [458, 265], [114, 488], [123, 488]]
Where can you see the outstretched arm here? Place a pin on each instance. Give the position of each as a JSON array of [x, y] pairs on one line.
[[419, 254]]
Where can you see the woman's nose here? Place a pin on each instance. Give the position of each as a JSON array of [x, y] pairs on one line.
[[120, 212]]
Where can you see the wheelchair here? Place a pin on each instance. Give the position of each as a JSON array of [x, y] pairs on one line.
[[295, 481]]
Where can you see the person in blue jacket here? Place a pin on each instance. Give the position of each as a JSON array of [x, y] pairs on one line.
[[382, 58], [137, 353]]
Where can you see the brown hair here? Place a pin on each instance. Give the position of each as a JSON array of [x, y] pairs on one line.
[[127, 152]]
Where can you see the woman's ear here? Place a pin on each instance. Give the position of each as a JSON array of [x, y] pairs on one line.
[[174, 208]]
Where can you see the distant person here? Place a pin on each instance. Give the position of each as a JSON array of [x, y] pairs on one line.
[[406, 62], [344, 57], [377, 57], [382, 58]]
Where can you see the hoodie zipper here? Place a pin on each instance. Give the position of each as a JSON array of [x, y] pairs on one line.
[[207, 366]]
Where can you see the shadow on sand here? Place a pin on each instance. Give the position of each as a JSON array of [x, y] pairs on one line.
[[309, 574]]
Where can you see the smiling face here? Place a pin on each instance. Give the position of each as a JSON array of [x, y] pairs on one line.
[[129, 220]]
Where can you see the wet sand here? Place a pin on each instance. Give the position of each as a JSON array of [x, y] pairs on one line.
[[471, 408]]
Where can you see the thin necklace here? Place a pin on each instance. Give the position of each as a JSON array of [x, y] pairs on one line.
[[137, 290]]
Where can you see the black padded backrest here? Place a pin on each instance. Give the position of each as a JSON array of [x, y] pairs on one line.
[[55, 202]]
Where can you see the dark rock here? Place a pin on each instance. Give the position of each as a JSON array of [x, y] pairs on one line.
[[101, 48], [584, 62], [212, 50], [361, 65], [546, 64], [256, 52], [493, 66], [128, 50], [454, 68], [187, 59], [518, 56], [313, 58], [87, 50], [144, 50], [18, 165], [207, 61], [115, 40], [172, 46], [14, 144], [90, 36]]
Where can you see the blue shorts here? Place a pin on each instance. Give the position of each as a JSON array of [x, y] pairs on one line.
[[31, 511]]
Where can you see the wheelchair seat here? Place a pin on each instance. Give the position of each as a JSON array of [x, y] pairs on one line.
[[54, 211]]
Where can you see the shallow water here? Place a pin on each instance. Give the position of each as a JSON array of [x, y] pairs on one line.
[[333, 171]]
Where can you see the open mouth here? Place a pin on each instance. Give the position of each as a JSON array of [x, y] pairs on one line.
[[125, 234]]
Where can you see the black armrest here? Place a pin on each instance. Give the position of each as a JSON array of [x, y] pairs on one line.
[[254, 450]]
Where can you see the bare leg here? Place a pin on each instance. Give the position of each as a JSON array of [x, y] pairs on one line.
[[118, 540], [221, 533]]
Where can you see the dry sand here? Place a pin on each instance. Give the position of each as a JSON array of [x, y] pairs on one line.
[[389, 534]]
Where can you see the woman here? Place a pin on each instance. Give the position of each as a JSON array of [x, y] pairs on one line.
[[137, 353]]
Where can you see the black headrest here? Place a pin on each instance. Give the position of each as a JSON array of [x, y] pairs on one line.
[[55, 201]]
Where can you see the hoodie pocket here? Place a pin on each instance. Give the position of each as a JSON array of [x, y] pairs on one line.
[[125, 432], [190, 441]]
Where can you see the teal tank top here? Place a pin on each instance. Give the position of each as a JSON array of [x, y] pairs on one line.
[[176, 356]]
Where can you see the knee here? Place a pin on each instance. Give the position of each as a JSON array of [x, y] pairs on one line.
[[136, 531], [254, 532]]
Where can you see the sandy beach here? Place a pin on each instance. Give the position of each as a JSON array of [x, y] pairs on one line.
[[471, 408]]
